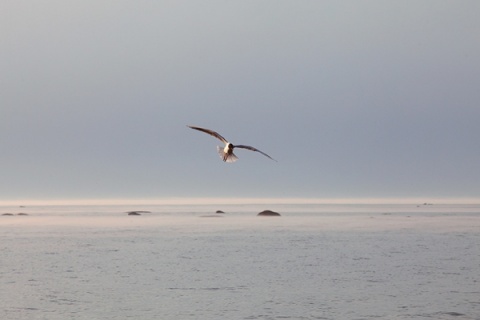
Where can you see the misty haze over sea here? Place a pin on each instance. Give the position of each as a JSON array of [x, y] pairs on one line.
[[359, 102]]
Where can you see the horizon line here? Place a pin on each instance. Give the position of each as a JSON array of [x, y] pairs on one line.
[[239, 201]]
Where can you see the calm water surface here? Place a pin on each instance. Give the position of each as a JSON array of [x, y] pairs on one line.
[[183, 262]]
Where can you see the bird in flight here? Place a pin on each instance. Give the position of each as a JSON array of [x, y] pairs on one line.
[[226, 153]]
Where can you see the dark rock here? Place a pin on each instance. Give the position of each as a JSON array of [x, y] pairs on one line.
[[138, 211], [7, 214], [134, 213], [269, 213], [22, 214], [219, 211]]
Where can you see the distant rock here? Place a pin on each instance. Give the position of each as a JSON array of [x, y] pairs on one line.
[[211, 216], [269, 213], [219, 211], [137, 213], [7, 214], [22, 214]]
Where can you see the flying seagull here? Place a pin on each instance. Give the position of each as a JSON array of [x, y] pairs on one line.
[[226, 153]]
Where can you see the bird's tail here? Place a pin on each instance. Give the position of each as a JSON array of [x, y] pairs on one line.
[[225, 156]]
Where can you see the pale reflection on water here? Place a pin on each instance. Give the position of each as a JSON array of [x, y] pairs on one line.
[[185, 262]]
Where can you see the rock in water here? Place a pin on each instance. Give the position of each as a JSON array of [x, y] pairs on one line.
[[269, 213], [219, 211], [134, 213]]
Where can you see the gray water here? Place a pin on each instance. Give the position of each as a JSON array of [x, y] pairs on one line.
[[182, 262]]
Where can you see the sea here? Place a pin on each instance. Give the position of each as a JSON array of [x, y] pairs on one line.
[[314, 261]]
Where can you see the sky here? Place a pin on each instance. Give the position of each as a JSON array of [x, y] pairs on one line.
[[355, 99]]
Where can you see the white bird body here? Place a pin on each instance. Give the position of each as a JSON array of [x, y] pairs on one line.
[[226, 153]]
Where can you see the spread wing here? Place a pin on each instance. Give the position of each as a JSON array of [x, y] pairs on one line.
[[254, 149], [210, 132]]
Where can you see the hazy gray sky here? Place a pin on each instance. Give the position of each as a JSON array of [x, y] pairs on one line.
[[353, 98]]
